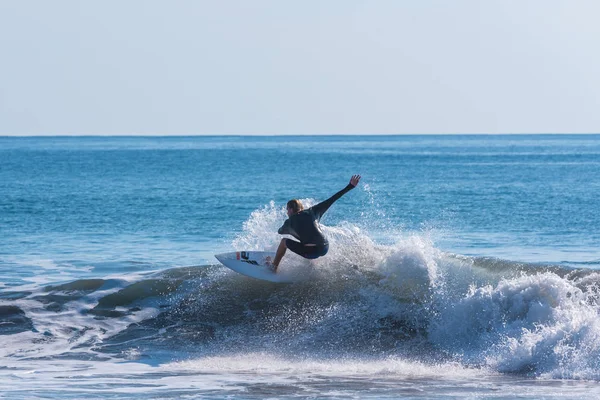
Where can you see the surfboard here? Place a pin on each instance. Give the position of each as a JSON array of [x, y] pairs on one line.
[[254, 264]]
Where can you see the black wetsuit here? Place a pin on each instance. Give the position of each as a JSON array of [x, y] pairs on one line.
[[304, 226]]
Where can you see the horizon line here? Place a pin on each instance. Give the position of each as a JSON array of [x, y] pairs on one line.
[[291, 134]]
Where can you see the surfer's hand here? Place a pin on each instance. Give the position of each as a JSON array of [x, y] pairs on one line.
[[354, 180]]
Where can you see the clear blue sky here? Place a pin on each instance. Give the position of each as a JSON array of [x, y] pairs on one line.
[[310, 67]]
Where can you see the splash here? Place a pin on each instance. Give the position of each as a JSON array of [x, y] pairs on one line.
[[403, 299]]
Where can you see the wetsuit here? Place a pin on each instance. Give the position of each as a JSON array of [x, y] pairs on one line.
[[304, 226]]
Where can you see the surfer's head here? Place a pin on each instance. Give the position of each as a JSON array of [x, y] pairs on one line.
[[294, 206]]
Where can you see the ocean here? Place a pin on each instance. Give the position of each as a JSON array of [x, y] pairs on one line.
[[462, 266]]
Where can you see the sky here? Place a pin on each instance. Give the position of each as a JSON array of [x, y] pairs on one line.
[[272, 67]]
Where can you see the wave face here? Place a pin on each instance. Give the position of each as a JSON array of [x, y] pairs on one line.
[[362, 301]]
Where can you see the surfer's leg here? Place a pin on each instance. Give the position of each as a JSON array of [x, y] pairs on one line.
[[295, 247], [279, 255], [316, 251], [306, 250]]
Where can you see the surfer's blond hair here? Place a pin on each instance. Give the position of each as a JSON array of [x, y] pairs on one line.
[[295, 205]]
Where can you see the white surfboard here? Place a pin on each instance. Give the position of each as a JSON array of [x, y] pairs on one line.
[[254, 264]]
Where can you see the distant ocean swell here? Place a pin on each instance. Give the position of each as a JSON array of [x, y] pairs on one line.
[[363, 300]]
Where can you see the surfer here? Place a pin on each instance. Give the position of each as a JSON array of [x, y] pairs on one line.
[[304, 226]]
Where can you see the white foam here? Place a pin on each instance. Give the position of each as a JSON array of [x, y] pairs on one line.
[[264, 363], [542, 322]]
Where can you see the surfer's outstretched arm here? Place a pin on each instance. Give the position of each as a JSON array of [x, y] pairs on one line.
[[320, 208]]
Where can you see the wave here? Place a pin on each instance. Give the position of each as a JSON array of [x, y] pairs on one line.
[[407, 299]]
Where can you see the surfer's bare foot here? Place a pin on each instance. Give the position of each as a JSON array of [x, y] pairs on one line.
[[269, 263], [272, 267]]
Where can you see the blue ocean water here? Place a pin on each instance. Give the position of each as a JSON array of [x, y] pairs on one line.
[[462, 266]]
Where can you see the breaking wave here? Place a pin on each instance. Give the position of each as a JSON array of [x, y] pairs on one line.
[[364, 300]]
